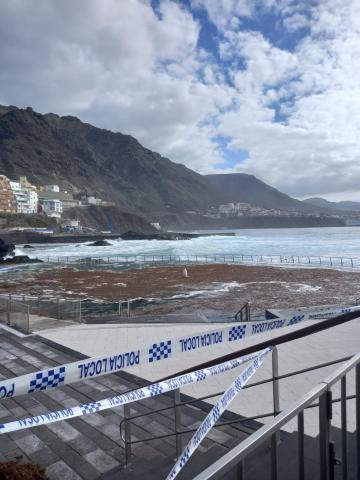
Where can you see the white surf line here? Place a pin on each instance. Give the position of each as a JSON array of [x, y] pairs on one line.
[[216, 412], [125, 398]]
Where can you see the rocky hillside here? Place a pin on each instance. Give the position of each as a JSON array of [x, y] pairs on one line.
[[80, 157], [115, 167], [240, 187], [109, 218]]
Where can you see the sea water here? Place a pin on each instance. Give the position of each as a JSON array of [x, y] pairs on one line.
[[328, 242]]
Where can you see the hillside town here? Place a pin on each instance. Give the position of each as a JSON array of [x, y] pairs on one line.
[[242, 209], [23, 197]]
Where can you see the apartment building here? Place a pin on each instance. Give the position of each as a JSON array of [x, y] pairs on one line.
[[7, 198], [52, 188], [26, 198], [52, 208]]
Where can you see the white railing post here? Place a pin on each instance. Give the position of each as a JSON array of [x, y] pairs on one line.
[[9, 310], [28, 318], [80, 312]]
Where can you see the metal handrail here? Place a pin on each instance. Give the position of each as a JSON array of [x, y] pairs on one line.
[[238, 453], [245, 308], [273, 342], [199, 399], [220, 424], [278, 340]]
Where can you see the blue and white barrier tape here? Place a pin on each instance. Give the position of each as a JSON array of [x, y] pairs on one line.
[[159, 350], [216, 412], [129, 397]]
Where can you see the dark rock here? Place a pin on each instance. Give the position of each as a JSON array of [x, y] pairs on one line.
[[100, 243], [130, 235], [28, 246], [22, 259], [6, 249]]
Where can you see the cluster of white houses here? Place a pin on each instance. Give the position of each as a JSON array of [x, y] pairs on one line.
[[242, 209], [23, 197]]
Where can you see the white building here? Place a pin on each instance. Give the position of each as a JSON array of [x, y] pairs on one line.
[[95, 201], [26, 198], [52, 188], [52, 208], [227, 208]]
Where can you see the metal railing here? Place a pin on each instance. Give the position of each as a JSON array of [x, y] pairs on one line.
[[25, 312], [18, 316], [179, 431], [327, 453], [322, 393], [88, 311], [284, 260], [244, 314]]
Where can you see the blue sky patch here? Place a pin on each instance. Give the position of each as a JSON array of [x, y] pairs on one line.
[[232, 156]]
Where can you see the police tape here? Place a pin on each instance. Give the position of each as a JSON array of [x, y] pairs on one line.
[[158, 350], [216, 412], [125, 398]]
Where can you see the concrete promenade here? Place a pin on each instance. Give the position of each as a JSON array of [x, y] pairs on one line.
[[331, 344]]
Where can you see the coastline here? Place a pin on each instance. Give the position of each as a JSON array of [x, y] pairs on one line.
[[222, 288]]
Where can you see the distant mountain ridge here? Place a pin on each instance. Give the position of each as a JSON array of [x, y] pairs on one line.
[[116, 167], [240, 187], [343, 205]]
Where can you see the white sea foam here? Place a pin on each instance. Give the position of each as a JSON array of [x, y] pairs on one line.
[[335, 241], [294, 287], [302, 288]]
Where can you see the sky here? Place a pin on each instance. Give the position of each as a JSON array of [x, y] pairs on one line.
[[265, 87]]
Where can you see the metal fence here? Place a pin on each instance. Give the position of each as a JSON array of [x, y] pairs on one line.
[[15, 314], [282, 260], [27, 313]]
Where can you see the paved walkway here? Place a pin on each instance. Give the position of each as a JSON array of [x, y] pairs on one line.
[[331, 344], [90, 447]]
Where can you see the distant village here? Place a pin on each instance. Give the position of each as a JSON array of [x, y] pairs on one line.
[[21, 197], [241, 209]]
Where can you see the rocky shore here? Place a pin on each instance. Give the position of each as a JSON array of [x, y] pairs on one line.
[[7, 255], [19, 238], [220, 287]]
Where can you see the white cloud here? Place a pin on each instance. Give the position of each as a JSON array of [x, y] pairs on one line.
[[117, 65], [122, 66], [295, 22], [316, 151], [227, 14]]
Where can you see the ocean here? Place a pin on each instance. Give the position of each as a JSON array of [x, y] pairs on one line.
[[327, 242]]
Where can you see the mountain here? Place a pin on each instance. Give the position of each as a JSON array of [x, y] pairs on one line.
[[343, 205], [79, 157], [240, 187]]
